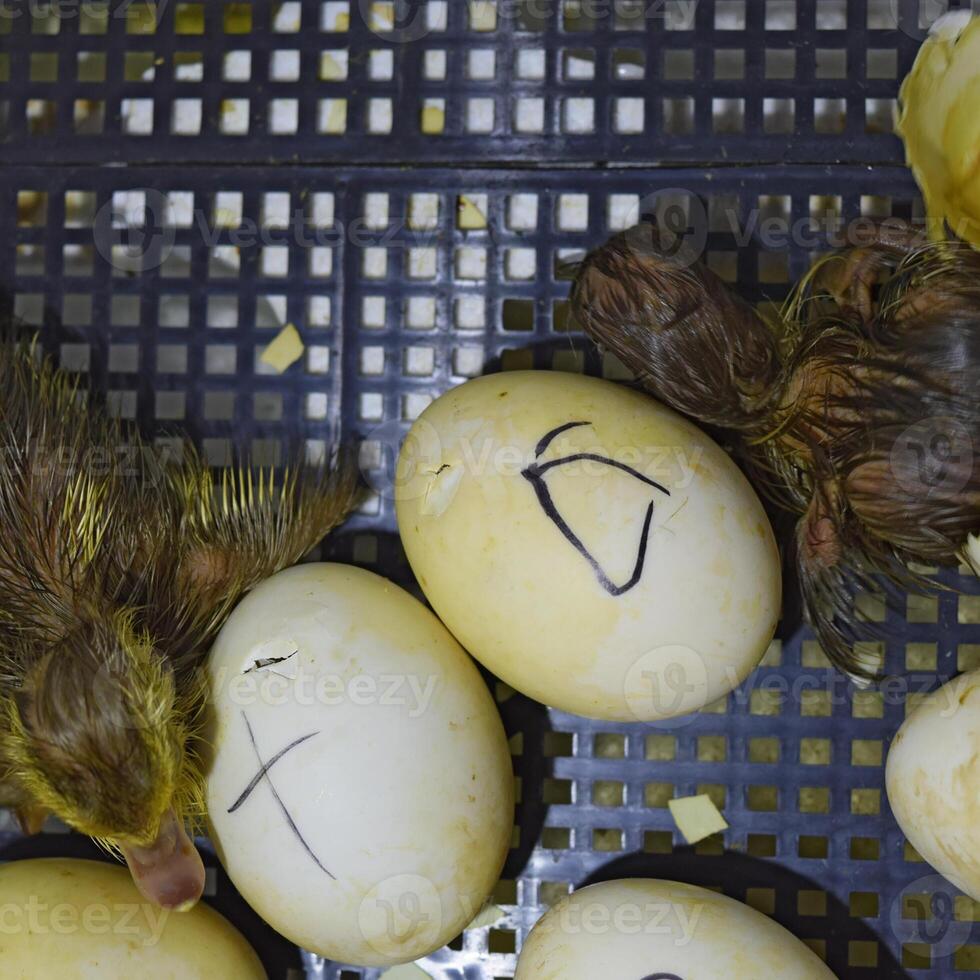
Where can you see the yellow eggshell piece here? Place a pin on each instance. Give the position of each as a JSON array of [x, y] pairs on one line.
[[331, 69], [483, 15], [381, 17], [628, 930], [433, 119], [589, 546], [933, 781], [285, 350], [697, 817], [469, 216], [336, 116], [85, 920]]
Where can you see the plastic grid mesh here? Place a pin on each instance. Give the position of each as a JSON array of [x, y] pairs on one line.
[[439, 275], [432, 80], [795, 759]]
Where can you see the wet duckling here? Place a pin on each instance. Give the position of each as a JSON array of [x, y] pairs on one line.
[[115, 577], [858, 411]]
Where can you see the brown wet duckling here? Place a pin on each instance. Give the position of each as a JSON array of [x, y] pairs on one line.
[[114, 580], [858, 411]]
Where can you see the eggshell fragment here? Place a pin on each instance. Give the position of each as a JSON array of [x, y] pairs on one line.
[[697, 817], [469, 215], [285, 350], [433, 119]]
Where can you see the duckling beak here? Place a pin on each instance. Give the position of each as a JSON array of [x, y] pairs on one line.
[[169, 872]]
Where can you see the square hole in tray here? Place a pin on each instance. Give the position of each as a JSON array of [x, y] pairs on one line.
[[730, 15]]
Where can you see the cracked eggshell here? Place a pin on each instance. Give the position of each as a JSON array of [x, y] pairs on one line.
[[644, 930], [85, 920], [382, 820], [533, 557], [933, 781]]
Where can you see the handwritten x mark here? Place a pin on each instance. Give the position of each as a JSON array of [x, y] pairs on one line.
[[263, 773]]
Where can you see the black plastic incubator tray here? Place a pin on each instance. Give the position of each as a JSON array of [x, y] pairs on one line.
[[760, 127]]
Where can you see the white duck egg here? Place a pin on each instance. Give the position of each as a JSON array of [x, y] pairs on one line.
[[361, 789], [588, 545], [933, 781], [661, 930]]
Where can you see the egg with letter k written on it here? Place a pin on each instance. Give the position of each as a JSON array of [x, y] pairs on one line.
[[360, 793], [589, 546]]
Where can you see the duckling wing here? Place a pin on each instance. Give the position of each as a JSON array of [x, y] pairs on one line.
[[62, 498], [233, 529]]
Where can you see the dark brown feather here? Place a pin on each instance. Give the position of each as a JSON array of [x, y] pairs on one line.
[[875, 371]]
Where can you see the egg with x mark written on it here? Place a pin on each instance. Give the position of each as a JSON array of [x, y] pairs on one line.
[[591, 547], [360, 794]]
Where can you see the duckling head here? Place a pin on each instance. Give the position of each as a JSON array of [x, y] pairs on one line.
[[99, 735], [689, 340]]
